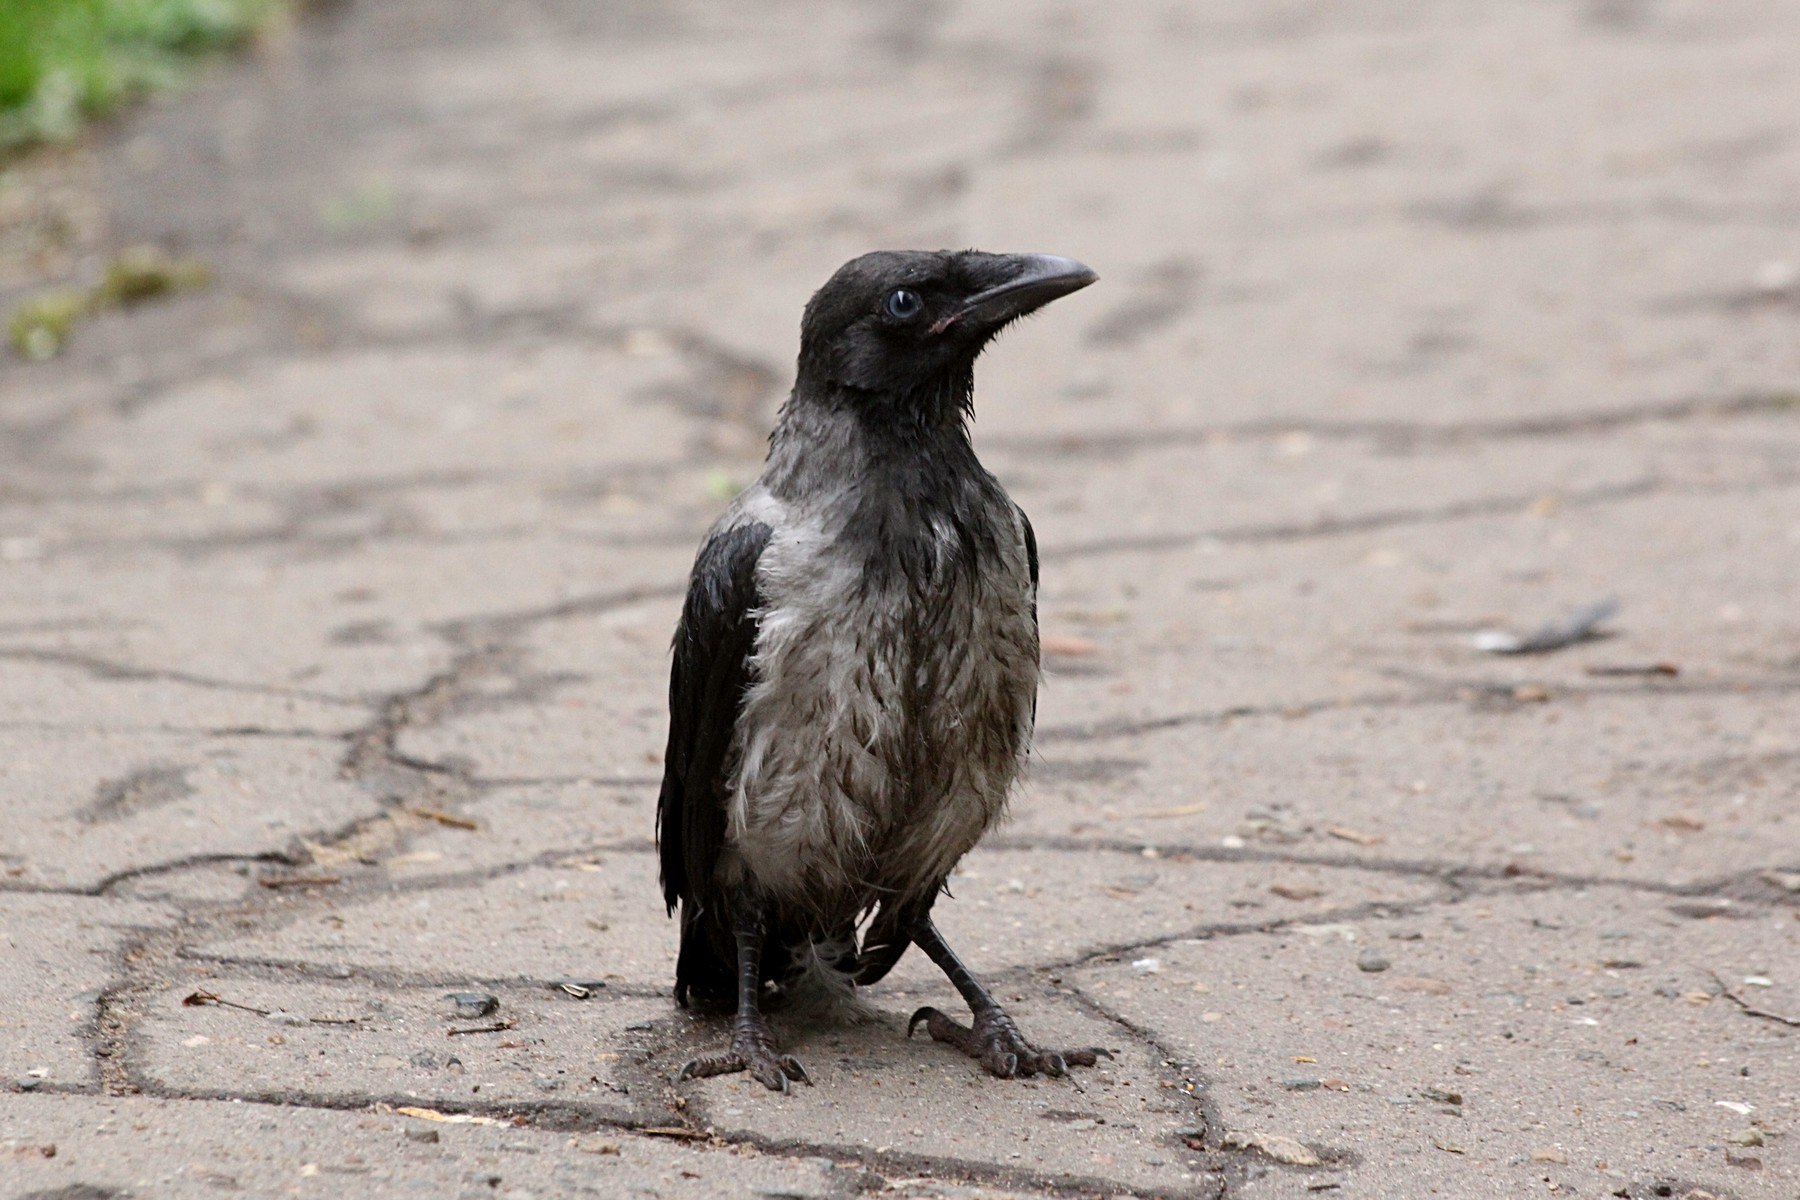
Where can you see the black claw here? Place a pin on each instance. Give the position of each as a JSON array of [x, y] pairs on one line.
[[791, 1067], [923, 1014], [1055, 1066], [1011, 1062], [688, 1070]]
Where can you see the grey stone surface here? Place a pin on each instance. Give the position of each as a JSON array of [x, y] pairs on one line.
[[59, 961], [334, 600], [128, 1146]]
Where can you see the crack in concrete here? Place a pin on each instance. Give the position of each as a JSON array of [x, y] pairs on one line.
[[1508, 876], [1484, 694], [108, 670], [1462, 510], [1404, 434]]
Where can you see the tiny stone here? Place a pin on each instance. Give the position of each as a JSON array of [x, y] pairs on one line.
[[472, 1004], [28, 1084], [422, 1135], [1750, 1136], [577, 989], [1370, 961], [1441, 1096], [1301, 1083]]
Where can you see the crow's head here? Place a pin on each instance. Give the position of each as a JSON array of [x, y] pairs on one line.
[[903, 327]]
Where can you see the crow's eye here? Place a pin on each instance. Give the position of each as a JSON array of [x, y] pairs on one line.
[[904, 304]]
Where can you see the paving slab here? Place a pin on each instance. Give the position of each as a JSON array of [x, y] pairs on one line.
[[118, 1147], [88, 807], [1576, 1037], [1115, 1126], [61, 953], [1571, 786], [597, 916], [350, 1042]]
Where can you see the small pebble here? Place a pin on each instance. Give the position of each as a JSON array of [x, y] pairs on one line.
[[1301, 1084], [422, 1135], [1750, 1136], [28, 1084], [577, 989], [1370, 961], [472, 1004]]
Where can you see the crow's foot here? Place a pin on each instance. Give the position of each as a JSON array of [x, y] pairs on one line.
[[752, 1049], [995, 1043]]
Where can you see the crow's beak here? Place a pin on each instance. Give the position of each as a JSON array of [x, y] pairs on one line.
[[1026, 282]]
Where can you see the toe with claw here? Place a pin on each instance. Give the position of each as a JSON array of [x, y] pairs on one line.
[[751, 1050], [995, 1042]]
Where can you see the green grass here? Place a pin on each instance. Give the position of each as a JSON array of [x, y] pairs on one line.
[[64, 62]]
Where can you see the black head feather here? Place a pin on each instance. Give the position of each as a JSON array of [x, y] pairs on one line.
[[898, 331]]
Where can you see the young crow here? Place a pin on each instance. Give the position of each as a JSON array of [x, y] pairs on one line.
[[856, 667]]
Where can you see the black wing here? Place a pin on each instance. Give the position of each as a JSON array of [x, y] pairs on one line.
[[711, 673], [1031, 560]]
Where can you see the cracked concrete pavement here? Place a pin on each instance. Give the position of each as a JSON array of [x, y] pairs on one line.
[[334, 600]]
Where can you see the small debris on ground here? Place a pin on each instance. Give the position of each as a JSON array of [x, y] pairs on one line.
[[468, 1005], [1752, 1010], [1277, 1146], [432, 1114], [1579, 626], [1180, 810], [1371, 961], [443, 818], [577, 989]]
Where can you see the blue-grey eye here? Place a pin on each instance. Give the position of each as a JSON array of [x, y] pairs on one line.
[[904, 304]]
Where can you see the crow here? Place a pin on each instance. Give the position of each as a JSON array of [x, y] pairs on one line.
[[856, 666]]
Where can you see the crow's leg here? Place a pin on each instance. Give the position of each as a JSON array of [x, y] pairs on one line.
[[993, 1041], [752, 1046]]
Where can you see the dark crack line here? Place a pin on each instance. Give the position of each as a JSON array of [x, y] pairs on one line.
[[107, 883], [209, 731], [1502, 878], [565, 1117], [1487, 506], [105, 669], [1442, 691], [359, 977], [1403, 434], [1198, 1084]]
